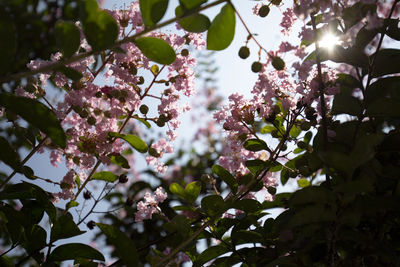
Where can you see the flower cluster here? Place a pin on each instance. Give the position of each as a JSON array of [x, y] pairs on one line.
[[90, 111], [150, 205]]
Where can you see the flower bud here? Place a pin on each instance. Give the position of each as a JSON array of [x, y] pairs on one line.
[[263, 11], [91, 225], [256, 66], [86, 195], [144, 109], [244, 52], [123, 179], [278, 63]]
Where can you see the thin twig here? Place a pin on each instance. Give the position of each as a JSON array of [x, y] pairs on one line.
[[321, 90]]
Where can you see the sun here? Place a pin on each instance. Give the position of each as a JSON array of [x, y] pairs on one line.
[[328, 41]]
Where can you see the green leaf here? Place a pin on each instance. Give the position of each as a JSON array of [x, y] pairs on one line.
[[75, 250], [267, 129], [152, 11], [120, 160], [222, 29], [8, 155], [213, 205], [225, 176], [381, 66], [193, 23], [105, 176], [100, 28], [383, 88], [68, 37], [303, 182], [35, 238], [347, 104], [146, 123], [64, 227], [191, 4], [177, 189], [192, 191], [133, 140], [156, 50], [256, 166], [294, 131], [384, 107], [210, 253], [124, 246], [70, 73], [8, 40], [71, 204], [255, 145], [247, 205], [37, 114]]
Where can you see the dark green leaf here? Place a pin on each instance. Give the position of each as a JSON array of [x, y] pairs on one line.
[[8, 155], [120, 161], [347, 104], [105, 176], [256, 166], [75, 250], [381, 66], [384, 87], [192, 191], [64, 227], [8, 40], [247, 205], [384, 107], [213, 204], [68, 37], [225, 176], [193, 23], [100, 28], [133, 140], [156, 50], [352, 15], [124, 246], [210, 253], [222, 29], [35, 238], [36, 114], [191, 4], [152, 11], [255, 145], [70, 73]]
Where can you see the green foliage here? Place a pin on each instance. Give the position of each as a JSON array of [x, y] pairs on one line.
[[105, 176], [124, 245], [100, 28], [64, 227], [222, 29], [133, 140], [68, 37], [73, 251], [8, 155], [36, 114], [156, 49], [193, 23], [190, 193], [225, 176], [152, 11]]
